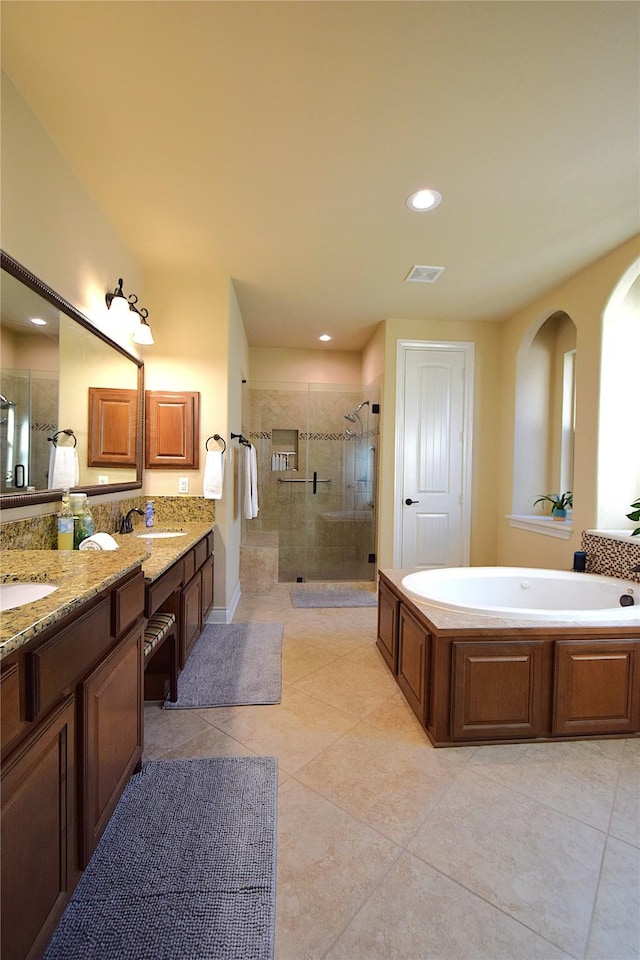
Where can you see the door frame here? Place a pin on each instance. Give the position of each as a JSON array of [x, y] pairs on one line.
[[468, 349]]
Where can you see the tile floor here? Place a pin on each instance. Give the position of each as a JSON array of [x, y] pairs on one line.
[[391, 850]]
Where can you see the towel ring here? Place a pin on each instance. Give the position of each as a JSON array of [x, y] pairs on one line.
[[216, 436], [68, 433]]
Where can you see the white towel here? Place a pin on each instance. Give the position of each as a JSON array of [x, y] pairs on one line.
[[99, 541], [213, 474], [64, 470], [250, 483]]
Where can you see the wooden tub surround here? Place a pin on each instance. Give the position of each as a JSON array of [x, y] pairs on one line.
[[474, 680]]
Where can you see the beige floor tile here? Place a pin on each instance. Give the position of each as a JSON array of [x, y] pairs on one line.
[[303, 656], [574, 778], [416, 912], [625, 820], [209, 743], [350, 684], [615, 932], [295, 730], [328, 863], [165, 730], [387, 782], [539, 866]]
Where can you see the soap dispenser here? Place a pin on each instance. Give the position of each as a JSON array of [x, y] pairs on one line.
[[65, 524], [148, 514]]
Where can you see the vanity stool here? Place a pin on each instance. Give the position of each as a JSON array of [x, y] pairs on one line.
[[161, 657]]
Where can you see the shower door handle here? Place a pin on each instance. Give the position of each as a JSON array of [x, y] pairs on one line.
[[18, 475], [315, 482]]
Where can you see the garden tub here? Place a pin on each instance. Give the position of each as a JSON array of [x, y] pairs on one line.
[[526, 592]]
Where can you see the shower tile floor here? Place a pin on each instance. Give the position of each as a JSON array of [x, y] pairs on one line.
[[391, 850]]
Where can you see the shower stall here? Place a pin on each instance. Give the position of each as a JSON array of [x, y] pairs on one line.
[[316, 447], [28, 415]]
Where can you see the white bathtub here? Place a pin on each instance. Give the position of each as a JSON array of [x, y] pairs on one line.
[[525, 592]]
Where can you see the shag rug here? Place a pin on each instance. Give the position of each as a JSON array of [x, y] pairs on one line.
[[232, 665], [185, 869], [333, 598]]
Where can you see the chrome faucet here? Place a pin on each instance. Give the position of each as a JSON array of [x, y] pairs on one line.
[[126, 523]]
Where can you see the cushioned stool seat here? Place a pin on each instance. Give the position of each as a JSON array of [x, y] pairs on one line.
[[161, 627]]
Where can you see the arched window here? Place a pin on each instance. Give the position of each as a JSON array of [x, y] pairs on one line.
[[545, 413], [619, 426]]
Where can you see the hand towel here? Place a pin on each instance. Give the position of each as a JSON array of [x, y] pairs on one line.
[[213, 474], [64, 470], [99, 541], [250, 483]]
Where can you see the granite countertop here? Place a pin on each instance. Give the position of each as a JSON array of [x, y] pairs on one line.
[[81, 574], [456, 622]]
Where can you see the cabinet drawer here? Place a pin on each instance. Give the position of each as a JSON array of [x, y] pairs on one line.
[[201, 554], [128, 604], [168, 583], [189, 561], [60, 662]]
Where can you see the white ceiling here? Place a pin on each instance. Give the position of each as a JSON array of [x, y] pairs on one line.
[[278, 141]]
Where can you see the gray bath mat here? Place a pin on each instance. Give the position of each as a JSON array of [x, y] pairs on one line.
[[231, 665], [333, 598], [185, 868]]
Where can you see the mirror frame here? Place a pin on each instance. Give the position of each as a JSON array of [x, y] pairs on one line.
[[17, 270]]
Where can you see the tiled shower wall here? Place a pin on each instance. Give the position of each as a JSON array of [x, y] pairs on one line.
[[330, 535]]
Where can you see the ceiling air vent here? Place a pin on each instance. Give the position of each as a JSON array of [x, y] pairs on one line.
[[423, 274]]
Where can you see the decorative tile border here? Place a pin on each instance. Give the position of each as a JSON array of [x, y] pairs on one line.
[[611, 558]]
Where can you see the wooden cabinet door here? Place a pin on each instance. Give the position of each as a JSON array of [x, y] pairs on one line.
[[110, 735], [387, 640], [191, 617], [38, 833], [496, 690], [172, 429], [413, 662], [597, 687], [207, 587], [113, 427]]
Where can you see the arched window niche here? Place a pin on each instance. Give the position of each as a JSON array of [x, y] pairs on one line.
[[544, 421], [619, 425]]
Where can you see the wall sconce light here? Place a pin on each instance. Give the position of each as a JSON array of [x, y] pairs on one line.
[[124, 306]]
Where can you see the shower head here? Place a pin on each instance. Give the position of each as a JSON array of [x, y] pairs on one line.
[[353, 417]]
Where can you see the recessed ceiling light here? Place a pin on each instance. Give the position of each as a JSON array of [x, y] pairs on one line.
[[423, 200], [38, 322], [325, 337]]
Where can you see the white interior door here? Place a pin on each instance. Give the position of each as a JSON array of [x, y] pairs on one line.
[[434, 454]]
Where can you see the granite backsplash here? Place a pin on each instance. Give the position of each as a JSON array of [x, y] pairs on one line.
[[40, 533]]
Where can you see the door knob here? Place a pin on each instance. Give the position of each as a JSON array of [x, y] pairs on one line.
[[409, 501]]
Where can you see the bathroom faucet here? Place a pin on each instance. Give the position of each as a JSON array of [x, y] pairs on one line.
[[635, 569], [126, 523]]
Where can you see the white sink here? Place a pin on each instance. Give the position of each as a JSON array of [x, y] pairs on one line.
[[18, 594], [162, 534]]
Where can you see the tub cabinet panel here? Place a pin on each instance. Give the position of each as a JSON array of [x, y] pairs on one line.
[[413, 662], [597, 687], [496, 690], [387, 640]]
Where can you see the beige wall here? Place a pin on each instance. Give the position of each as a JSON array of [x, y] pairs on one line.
[[304, 366], [584, 298]]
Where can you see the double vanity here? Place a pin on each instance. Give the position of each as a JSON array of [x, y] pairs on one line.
[[72, 686]]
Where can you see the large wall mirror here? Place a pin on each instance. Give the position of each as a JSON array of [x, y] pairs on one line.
[[46, 375]]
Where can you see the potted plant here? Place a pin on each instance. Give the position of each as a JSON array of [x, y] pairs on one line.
[[635, 516], [560, 503]]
